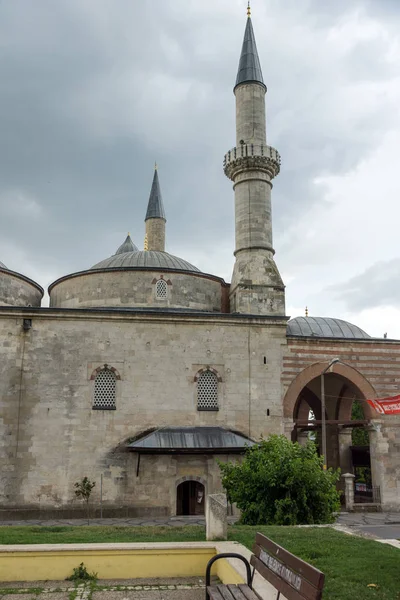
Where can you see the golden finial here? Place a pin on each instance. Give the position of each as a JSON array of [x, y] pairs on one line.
[[306, 311], [129, 235], [248, 9], [155, 166], [146, 243]]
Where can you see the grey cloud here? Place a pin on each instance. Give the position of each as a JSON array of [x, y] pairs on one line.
[[379, 285], [83, 118]]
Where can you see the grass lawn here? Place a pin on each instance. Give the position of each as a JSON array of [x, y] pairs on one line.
[[349, 563]]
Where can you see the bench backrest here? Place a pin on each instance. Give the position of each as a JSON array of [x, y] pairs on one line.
[[296, 579]]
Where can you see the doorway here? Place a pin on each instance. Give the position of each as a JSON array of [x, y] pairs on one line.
[[190, 498]]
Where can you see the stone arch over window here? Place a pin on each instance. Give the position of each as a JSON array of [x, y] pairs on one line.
[[207, 389], [105, 388]]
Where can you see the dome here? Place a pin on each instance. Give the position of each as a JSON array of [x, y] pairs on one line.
[[324, 327], [149, 259], [127, 246]]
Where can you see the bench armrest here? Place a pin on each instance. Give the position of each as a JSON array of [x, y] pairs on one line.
[[227, 555]]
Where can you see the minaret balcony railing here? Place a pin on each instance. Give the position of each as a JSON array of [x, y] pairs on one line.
[[252, 156]]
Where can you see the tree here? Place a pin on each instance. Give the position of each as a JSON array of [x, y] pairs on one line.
[[282, 483], [359, 436], [83, 489]]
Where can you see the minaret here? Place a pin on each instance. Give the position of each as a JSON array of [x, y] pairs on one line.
[[155, 217], [256, 286]]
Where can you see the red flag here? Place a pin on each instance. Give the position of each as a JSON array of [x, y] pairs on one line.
[[386, 406]]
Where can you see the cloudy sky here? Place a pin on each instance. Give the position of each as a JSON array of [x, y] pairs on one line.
[[94, 91]]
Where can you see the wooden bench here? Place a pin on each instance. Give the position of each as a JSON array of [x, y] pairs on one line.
[[289, 575]]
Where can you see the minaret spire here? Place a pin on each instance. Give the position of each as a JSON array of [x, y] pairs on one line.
[[256, 286], [249, 63], [155, 216]]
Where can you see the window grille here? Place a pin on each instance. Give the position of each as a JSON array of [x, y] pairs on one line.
[[104, 390], [207, 391], [161, 289]]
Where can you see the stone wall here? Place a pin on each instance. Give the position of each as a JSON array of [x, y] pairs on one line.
[[51, 437], [137, 288], [155, 231], [17, 290], [250, 114]]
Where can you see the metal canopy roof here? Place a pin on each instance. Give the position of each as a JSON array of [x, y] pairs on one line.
[[191, 440], [324, 327]]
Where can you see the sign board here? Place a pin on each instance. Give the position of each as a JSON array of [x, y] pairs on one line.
[[386, 406]]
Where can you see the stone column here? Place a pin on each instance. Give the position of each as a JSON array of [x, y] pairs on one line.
[[345, 463], [216, 517], [349, 490]]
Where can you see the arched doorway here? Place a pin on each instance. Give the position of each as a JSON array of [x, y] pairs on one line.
[[190, 498], [347, 417]]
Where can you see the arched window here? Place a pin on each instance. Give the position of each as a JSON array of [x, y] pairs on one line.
[[207, 391], [161, 289], [104, 390]]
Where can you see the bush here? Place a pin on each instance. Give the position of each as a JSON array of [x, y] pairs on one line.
[[282, 483], [82, 574]]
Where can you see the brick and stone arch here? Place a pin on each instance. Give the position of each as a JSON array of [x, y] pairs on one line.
[[207, 381], [348, 373], [105, 387]]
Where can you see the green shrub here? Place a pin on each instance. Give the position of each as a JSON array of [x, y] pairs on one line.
[[82, 574], [282, 483]]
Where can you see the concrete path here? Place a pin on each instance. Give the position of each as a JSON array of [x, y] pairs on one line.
[[169, 589], [381, 525]]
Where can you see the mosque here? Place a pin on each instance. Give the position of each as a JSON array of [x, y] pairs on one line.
[[144, 371]]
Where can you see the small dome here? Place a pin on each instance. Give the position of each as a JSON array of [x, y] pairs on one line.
[[127, 246], [145, 259], [324, 327], [2, 265]]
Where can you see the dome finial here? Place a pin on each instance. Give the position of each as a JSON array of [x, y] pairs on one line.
[[248, 9], [306, 311]]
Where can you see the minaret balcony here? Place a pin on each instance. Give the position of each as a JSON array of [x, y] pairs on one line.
[[252, 157]]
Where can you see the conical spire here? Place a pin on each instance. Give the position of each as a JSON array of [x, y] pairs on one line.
[[249, 64], [155, 207], [127, 246]]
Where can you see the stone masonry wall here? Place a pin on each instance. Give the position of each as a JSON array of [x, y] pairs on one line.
[[155, 231], [51, 437], [137, 288], [17, 291]]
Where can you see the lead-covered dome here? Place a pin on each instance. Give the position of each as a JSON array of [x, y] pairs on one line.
[[139, 279], [145, 259], [324, 327]]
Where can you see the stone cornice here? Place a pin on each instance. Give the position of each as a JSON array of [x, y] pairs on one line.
[[141, 315]]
